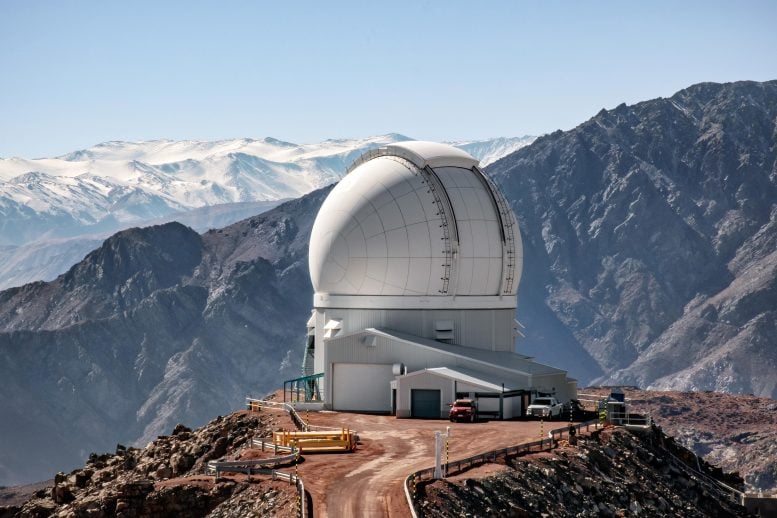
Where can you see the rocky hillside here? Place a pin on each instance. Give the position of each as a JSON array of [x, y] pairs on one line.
[[616, 474], [157, 326], [165, 479], [736, 432], [650, 236]]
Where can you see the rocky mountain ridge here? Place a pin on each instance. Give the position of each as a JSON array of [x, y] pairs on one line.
[[650, 234], [157, 326], [117, 184], [53, 211], [611, 473], [45, 258]]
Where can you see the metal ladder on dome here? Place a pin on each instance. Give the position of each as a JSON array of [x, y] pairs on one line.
[[435, 189], [508, 224]]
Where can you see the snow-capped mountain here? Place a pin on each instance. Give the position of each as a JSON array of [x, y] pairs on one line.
[[491, 150], [63, 204], [114, 183]]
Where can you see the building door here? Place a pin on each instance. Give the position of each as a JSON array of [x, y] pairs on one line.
[[361, 387], [425, 403]]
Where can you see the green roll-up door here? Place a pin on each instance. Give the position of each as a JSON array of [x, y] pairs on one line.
[[425, 403]]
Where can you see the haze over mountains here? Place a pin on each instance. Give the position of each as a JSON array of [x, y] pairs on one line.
[[54, 210], [650, 235]]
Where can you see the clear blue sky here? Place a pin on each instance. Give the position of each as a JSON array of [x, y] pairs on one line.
[[73, 74]]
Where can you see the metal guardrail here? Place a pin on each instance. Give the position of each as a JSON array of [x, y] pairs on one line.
[[735, 495], [490, 456], [269, 445], [292, 479], [242, 467], [216, 467], [249, 467], [298, 422]]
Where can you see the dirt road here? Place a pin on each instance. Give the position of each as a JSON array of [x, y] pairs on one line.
[[369, 482]]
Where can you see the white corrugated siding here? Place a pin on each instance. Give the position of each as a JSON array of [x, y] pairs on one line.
[[362, 387], [489, 329]]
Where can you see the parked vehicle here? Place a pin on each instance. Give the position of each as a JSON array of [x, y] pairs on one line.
[[463, 410], [545, 406]]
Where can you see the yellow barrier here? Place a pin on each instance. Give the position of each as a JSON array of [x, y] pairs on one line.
[[313, 442]]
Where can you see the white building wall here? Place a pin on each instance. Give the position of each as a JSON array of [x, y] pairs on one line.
[[489, 329], [511, 406], [424, 381], [361, 387], [385, 351]]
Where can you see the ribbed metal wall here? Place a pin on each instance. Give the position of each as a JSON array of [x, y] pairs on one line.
[[423, 381], [490, 329], [355, 349]]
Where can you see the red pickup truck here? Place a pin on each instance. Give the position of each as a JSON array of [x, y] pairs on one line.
[[463, 410]]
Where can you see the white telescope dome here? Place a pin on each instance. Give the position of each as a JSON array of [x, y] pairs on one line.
[[419, 220]]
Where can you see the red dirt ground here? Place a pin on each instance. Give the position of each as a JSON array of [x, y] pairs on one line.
[[369, 481]]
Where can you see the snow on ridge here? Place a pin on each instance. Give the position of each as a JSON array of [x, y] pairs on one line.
[[157, 152], [489, 151], [125, 181]]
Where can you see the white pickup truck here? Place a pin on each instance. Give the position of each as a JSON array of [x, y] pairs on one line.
[[545, 406]]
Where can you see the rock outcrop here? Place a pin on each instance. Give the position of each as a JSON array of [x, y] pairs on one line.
[[165, 479], [736, 432], [614, 474]]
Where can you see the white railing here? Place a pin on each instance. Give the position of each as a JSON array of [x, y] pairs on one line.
[[629, 420], [269, 445]]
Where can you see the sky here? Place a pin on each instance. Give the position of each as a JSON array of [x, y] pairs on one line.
[[74, 74]]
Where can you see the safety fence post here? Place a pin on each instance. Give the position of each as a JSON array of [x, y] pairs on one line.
[[299, 498], [296, 465], [447, 438]]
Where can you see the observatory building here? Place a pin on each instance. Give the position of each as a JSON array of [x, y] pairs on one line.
[[415, 259]]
